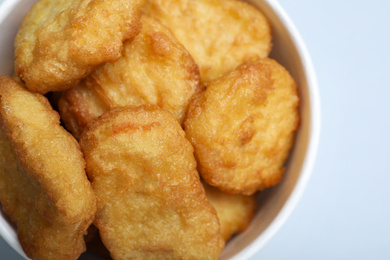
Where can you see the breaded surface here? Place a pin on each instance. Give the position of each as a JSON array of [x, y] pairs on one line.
[[151, 203], [219, 34], [235, 211], [243, 126], [43, 185], [155, 69], [61, 41]]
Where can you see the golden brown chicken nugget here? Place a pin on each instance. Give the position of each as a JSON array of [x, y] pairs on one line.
[[61, 41], [219, 34], [43, 185], [235, 211], [243, 126], [151, 203], [155, 69]]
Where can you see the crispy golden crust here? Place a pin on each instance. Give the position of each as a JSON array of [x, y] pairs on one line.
[[61, 41], [151, 203], [235, 211], [155, 69], [43, 185], [243, 126], [78, 106], [219, 34]]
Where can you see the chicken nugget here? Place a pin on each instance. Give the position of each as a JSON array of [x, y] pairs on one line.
[[43, 185], [243, 126], [151, 203], [235, 211], [61, 41], [155, 69], [219, 34]]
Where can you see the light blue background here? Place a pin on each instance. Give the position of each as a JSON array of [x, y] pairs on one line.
[[345, 211]]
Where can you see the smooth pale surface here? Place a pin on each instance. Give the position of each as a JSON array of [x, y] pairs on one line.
[[345, 211]]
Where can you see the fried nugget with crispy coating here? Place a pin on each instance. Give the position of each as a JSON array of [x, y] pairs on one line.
[[43, 185], [155, 69], [151, 203], [243, 126], [219, 34], [61, 41], [235, 211]]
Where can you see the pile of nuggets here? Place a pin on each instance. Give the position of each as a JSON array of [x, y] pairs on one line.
[[151, 124]]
